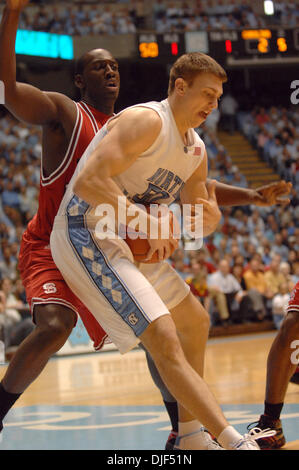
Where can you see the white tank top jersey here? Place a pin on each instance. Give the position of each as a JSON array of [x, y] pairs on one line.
[[158, 174]]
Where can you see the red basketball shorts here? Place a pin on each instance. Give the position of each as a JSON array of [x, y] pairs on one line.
[[45, 285]]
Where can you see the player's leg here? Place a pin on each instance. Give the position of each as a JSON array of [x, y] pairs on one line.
[[161, 340], [168, 400], [192, 322], [54, 324], [193, 331], [280, 368]]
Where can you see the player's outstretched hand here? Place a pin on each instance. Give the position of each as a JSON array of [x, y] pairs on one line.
[[211, 211], [16, 4], [273, 193]]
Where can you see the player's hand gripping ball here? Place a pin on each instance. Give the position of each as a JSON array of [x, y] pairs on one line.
[[141, 246]]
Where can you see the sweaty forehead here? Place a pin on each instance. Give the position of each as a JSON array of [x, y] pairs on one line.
[[98, 54]]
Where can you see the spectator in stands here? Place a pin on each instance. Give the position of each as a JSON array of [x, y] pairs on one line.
[[20, 294], [212, 120], [228, 109], [273, 276], [163, 25], [237, 272], [9, 316], [257, 288], [159, 9], [278, 248], [201, 259], [223, 281], [8, 264], [280, 303], [285, 270], [197, 280]]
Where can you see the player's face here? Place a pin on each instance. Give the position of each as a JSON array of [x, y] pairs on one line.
[[101, 75], [201, 97]]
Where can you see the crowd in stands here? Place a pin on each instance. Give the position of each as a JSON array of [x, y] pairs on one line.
[[221, 15], [275, 133], [245, 270], [87, 18]]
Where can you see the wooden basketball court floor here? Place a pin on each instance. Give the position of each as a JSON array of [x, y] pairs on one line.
[[108, 401]]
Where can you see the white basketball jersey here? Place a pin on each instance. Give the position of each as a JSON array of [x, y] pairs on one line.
[[158, 174]]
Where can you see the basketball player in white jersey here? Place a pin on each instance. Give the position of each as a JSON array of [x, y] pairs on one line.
[[147, 154]]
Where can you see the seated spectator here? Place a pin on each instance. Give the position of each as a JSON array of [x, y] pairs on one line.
[[9, 314], [237, 272], [159, 9], [273, 276], [280, 303], [8, 264], [201, 257], [197, 280], [285, 270], [278, 248], [257, 289], [224, 282]]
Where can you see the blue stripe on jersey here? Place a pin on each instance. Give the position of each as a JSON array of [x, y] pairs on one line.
[[104, 276], [76, 206]]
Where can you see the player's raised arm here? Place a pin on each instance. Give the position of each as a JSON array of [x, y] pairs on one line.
[[26, 102]]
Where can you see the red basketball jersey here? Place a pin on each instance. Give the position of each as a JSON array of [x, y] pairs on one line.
[[52, 187]]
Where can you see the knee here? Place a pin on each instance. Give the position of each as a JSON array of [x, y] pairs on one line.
[[170, 353], [165, 347], [196, 321], [289, 329], [54, 324]]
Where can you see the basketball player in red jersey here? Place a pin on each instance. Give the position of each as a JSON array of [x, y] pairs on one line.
[[283, 357], [67, 130]]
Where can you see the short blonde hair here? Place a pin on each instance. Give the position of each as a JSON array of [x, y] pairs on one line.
[[188, 66]]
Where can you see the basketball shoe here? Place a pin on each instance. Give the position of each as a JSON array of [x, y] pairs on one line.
[[274, 441], [198, 440]]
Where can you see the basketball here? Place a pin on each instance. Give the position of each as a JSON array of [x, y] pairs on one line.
[[140, 246]]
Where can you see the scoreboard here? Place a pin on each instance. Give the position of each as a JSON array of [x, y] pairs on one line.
[[235, 48]]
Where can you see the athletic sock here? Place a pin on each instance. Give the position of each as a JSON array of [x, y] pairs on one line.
[[189, 427], [7, 400], [172, 410], [273, 410], [228, 437]]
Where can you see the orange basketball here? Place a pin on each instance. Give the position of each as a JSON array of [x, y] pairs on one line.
[[140, 246]]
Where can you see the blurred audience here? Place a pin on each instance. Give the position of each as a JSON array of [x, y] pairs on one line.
[[121, 17]]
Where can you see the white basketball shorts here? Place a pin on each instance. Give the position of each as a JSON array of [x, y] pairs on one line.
[[123, 296]]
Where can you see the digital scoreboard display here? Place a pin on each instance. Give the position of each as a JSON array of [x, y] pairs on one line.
[[40, 44], [229, 47]]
